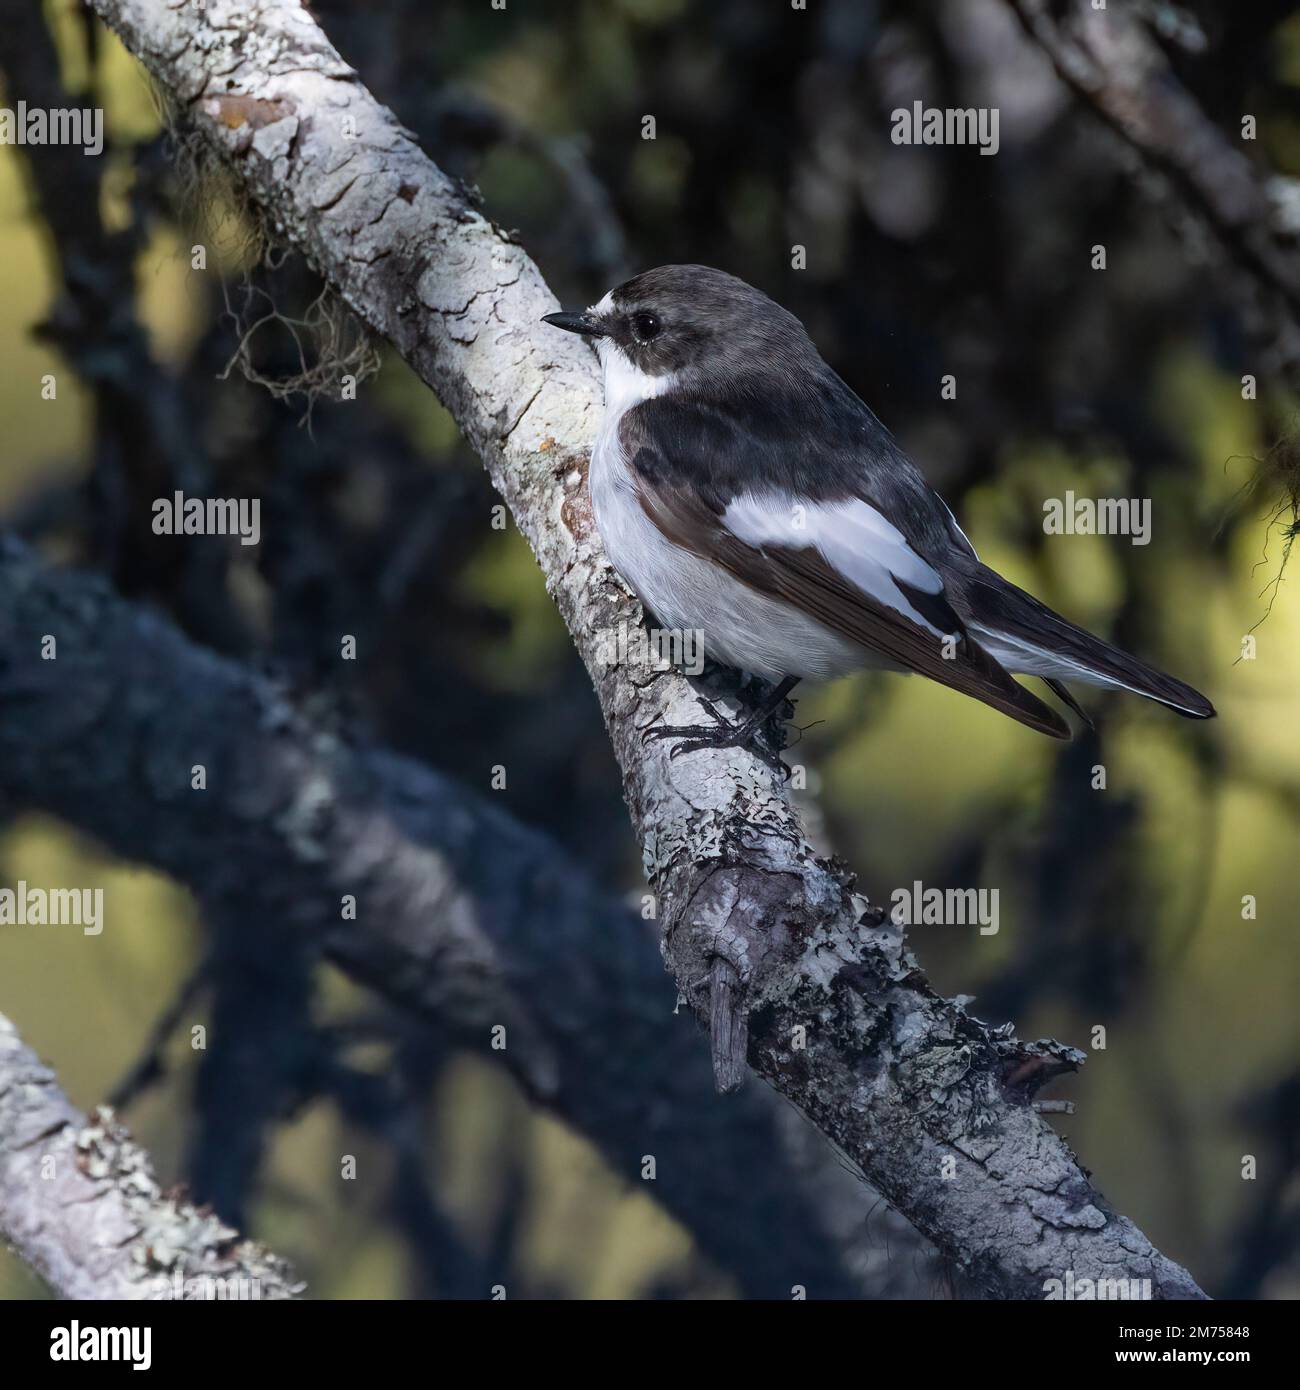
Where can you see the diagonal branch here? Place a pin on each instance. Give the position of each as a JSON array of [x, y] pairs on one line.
[[80, 1204], [934, 1106]]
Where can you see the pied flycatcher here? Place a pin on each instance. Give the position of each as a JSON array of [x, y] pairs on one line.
[[742, 489]]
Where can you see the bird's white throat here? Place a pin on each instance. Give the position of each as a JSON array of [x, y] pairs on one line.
[[626, 384]]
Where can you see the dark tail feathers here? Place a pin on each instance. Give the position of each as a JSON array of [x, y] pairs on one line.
[[984, 598]]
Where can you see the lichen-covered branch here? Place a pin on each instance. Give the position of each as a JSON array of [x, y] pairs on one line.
[[932, 1104], [80, 1204]]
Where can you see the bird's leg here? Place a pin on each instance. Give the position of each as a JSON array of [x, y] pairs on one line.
[[726, 734]]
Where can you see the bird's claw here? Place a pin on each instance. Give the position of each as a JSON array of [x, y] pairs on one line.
[[697, 737]]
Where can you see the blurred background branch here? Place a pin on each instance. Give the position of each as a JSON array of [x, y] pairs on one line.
[[1117, 69]]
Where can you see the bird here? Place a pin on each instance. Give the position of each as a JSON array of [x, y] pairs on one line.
[[744, 491]]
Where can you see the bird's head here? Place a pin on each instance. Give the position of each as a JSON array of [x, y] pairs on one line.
[[688, 324]]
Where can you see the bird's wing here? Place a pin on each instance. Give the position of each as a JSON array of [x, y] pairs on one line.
[[838, 560]]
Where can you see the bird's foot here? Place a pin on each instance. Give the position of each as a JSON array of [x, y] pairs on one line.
[[724, 733]]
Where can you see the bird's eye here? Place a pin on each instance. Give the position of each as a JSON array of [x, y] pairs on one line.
[[645, 327]]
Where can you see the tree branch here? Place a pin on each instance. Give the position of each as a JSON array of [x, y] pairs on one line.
[[80, 1203], [933, 1105]]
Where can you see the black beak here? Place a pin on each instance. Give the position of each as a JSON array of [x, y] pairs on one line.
[[576, 323]]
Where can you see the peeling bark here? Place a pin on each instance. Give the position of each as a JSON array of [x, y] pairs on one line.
[[931, 1103]]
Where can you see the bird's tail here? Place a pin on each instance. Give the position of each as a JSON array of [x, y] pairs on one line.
[[1027, 636]]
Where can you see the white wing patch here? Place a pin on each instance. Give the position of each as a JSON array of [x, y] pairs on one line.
[[856, 540]]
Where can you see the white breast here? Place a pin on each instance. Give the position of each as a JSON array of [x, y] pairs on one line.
[[741, 627]]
